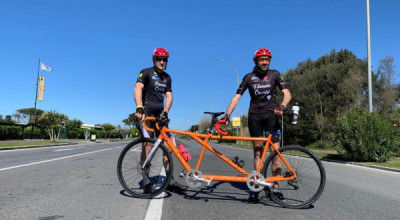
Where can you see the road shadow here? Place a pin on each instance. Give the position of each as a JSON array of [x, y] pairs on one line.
[[167, 194]]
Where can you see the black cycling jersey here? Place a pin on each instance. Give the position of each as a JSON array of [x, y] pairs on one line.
[[155, 87], [262, 89]]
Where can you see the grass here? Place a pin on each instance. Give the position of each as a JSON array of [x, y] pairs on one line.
[[333, 155], [393, 163], [4, 144]]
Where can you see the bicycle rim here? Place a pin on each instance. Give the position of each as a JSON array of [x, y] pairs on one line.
[[148, 182], [309, 184]]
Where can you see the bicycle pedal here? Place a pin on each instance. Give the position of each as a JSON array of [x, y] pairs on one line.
[[182, 174]]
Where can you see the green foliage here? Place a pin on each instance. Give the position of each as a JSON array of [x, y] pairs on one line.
[[7, 119], [329, 87], [107, 130], [76, 133], [324, 89], [364, 136], [10, 132], [134, 132], [53, 119], [231, 132], [130, 121], [321, 144], [29, 113], [73, 124]]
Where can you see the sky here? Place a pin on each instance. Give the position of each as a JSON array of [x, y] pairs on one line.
[[97, 49]]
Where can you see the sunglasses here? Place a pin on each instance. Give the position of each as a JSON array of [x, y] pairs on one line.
[[264, 59], [161, 58]]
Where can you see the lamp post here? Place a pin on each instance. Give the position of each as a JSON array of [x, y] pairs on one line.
[[369, 60], [238, 82]]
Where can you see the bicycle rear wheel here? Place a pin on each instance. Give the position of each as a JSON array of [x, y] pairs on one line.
[[147, 182], [309, 184]]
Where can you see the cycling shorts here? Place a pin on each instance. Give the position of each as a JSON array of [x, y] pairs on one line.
[[261, 123]]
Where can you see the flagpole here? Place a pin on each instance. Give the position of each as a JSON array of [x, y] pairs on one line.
[[37, 88]]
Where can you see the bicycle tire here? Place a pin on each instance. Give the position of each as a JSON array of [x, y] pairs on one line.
[[310, 181], [131, 175]]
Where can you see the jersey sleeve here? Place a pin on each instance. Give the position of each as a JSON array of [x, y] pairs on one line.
[[279, 81], [169, 84], [142, 77], [243, 85]]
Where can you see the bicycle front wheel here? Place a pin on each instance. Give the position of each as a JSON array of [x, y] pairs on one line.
[[149, 181], [309, 183]]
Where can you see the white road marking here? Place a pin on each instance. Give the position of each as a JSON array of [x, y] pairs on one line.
[[60, 158], [62, 150], [154, 211]]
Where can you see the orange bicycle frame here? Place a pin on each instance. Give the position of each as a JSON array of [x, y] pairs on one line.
[[203, 140]]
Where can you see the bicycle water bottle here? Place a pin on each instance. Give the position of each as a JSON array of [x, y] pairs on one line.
[[184, 152], [295, 113]]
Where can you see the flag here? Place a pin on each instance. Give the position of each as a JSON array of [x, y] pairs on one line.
[[44, 67]]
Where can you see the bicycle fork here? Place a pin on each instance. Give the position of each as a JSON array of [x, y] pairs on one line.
[[153, 149]]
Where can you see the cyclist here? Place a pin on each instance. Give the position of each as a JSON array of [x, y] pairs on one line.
[[262, 83], [152, 86]]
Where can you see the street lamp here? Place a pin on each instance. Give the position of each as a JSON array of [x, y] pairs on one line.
[[237, 75], [369, 60], [238, 83]]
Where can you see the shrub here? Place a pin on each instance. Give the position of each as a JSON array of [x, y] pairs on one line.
[[77, 133], [364, 136], [10, 132]]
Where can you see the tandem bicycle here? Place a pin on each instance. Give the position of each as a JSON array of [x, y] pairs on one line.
[[301, 179]]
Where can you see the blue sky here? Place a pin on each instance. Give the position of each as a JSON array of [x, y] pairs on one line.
[[97, 48]]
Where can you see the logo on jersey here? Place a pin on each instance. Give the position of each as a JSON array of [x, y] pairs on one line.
[[160, 87], [155, 77], [261, 89], [140, 75]]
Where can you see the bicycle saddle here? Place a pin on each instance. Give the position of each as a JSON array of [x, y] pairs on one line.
[[214, 114]]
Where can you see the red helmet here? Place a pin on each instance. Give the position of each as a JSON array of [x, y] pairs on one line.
[[262, 52], [160, 52]]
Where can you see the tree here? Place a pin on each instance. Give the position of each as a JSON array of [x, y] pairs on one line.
[[387, 91], [17, 117], [30, 113], [54, 120], [204, 123], [329, 87], [73, 124], [107, 129], [130, 121], [325, 89]]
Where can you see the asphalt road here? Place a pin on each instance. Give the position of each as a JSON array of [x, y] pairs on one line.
[[80, 182]]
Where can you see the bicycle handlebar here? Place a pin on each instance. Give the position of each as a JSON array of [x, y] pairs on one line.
[[218, 127], [158, 122], [144, 123]]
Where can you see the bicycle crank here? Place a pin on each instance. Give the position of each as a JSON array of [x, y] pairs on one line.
[[256, 182], [194, 178]]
